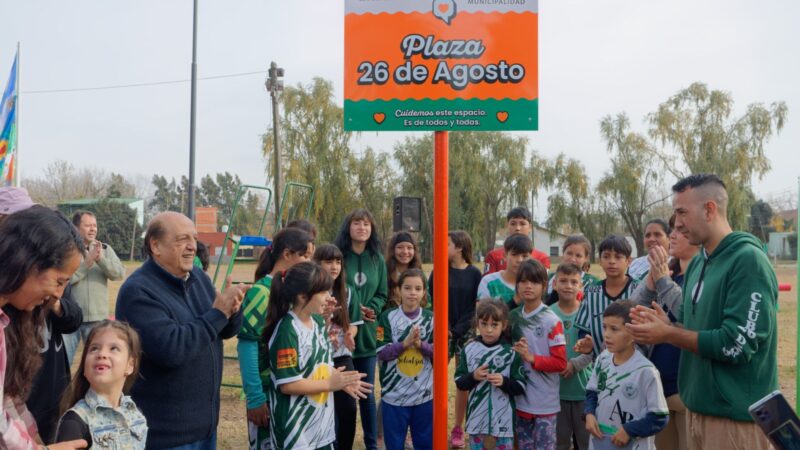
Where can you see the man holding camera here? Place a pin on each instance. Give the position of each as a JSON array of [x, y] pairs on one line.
[[90, 282]]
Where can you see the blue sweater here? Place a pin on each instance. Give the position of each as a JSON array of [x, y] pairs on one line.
[[181, 368]]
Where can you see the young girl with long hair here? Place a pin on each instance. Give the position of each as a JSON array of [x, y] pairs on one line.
[[289, 247], [405, 336], [96, 406], [343, 328], [402, 253], [492, 373], [301, 366], [464, 279], [366, 275], [538, 337]]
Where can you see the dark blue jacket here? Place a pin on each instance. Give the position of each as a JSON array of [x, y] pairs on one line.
[[181, 369]]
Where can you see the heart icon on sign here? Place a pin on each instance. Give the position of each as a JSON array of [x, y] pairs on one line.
[[502, 116], [379, 118]]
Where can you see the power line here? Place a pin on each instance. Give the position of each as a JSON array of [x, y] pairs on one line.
[[134, 85]]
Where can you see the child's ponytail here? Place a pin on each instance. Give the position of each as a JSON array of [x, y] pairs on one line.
[[302, 280], [294, 240]]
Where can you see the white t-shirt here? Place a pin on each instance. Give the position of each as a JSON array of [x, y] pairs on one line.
[[626, 393], [542, 329]]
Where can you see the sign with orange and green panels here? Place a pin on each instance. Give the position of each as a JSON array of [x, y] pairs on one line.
[[414, 65]]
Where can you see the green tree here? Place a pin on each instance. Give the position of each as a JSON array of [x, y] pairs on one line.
[[375, 186], [120, 187], [316, 151], [703, 135], [760, 223], [414, 156], [166, 196], [571, 202], [632, 178]]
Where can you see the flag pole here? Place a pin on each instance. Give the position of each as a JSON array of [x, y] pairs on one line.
[[440, 273], [15, 157], [797, 305]]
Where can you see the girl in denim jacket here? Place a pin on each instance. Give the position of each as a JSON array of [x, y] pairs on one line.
[[97, 408]]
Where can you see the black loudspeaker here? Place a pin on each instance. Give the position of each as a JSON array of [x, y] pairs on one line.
[[407, 214]]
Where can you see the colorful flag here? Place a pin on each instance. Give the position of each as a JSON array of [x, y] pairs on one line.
[[8, 128]]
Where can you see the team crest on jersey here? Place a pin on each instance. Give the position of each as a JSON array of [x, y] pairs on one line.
[[498, 361], [538, 331], [602, 379], [379, 333], [287, 358], [630, 391], [360, 279]]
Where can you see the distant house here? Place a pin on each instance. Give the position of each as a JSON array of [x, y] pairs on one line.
[[205, 218], [136, 204], [780, 245], [544, 241]]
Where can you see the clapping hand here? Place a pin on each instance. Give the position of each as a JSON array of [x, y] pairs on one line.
[[331, 306], [584, 345], [412, 339], [521, 347], [368, 314], [649, 326], [568, 371], [495, 379], [230, 300], [481, 373], [659, 263]]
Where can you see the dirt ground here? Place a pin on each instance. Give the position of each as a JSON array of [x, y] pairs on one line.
[[232, 431]]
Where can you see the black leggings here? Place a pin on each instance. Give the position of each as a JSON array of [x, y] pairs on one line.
[[344, 408]]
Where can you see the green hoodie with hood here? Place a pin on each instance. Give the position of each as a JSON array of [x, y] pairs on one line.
[[366, 275], [734, 313]]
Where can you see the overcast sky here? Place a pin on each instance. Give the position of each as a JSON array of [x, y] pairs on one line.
[[596, 58]]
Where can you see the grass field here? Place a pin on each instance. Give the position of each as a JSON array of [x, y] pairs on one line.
[[232, 431]]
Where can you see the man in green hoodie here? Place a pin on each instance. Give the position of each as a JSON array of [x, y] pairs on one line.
[[728, 328]]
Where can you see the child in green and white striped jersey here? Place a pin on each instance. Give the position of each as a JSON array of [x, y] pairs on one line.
[[301, 367], [493, 374], [405, 353], [615, 255], [501, 285]]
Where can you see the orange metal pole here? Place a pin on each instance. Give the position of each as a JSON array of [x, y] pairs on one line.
[[440, 272]]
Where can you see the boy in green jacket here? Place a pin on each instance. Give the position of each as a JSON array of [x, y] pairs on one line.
[[728, 315]]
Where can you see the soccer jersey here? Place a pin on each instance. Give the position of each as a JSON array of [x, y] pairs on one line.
[[595, 301], [542, 329], [490, 410], [354, 314], [639, 268], [493, 286], [574, 387], [407, 380], [254, 317], [626, 393], [297, 352]]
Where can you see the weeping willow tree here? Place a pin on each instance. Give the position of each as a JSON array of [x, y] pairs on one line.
[[699, 133]]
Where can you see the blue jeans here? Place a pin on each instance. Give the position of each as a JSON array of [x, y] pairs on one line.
[[207, 444], [397, 420], [369, 421]]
